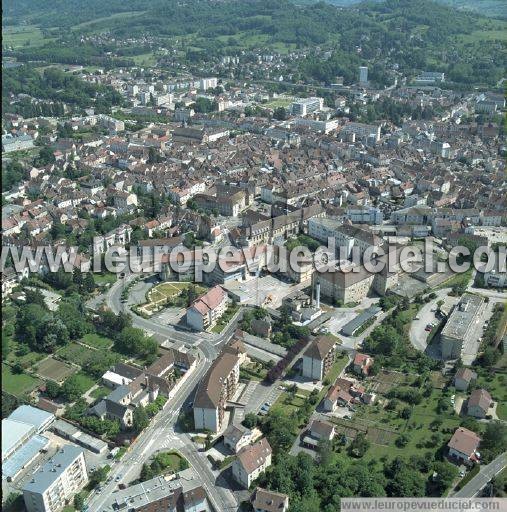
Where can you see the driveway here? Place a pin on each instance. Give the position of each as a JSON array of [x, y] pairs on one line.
[[426, 315]]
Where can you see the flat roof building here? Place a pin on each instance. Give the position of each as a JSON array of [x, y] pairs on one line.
[[54, 485], [458, 325], [182, 493]]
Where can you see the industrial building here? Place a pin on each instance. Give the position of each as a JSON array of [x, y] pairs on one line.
[[22, 442]]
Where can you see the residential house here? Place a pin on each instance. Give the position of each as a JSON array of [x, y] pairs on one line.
[[236, 437], [251, 461], [463, 446], [463, 378], [479, 403], [362, 364], [263, 500]]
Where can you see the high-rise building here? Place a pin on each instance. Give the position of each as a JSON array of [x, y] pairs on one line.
[[363, 75], [53, 486]]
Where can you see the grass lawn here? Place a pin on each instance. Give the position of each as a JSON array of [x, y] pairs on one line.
[[496, 385], [278, 102], [18, 384], [15, 355], [421, 437], [457, 280], [100, 392], [145, 59], [169, 292], [255, 370], [107, 278], [288, 403], [340, 363], [78, 354], [84, 382], [96, 341], [501, 411]]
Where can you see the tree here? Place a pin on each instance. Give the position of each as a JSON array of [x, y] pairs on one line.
[[445, 475], [494, 440], [140, 419], [45, 157], [52, 389], [250, 420], [79, 501], [132, 341], [99, 475], [72, 388], [359, 445], [34, 296], [280, 114]]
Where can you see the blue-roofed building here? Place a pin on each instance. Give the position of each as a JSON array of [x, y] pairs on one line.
[[38, 418], [54, 485], [24, 456], [21, 442], [14, 434]]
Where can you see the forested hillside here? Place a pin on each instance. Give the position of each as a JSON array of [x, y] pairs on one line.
[[413, 35]]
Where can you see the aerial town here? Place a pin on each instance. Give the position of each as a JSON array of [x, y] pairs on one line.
[[253, 384]]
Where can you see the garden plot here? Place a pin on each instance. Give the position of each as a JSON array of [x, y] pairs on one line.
[[53, 369]]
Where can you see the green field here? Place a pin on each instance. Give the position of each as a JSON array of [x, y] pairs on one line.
[[96, 341], [22, 36], [78, 354], [278, 102], [101, 23], [145, 59], [100, 392], [18, 384], [83, 381], [107, 278]]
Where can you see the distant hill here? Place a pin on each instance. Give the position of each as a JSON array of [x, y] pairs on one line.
[[414, 35], [490, 8]]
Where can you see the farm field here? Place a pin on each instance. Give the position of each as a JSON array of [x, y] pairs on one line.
[[53, 369], [22, 36], [78, 354]]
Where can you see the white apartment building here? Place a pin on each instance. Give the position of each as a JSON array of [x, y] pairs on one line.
[[54, 485], [208, 83], [365, 215], [304, 106], [217, 386], [207, 309], [251, 462]]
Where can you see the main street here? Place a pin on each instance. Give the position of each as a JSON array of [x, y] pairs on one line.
[[479, 481], [161, 433]]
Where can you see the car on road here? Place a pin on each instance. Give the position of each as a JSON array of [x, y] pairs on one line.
[[428, 328], [117, 478]]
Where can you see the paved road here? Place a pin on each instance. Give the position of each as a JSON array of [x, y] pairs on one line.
[[484, 476], [161, 433]]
